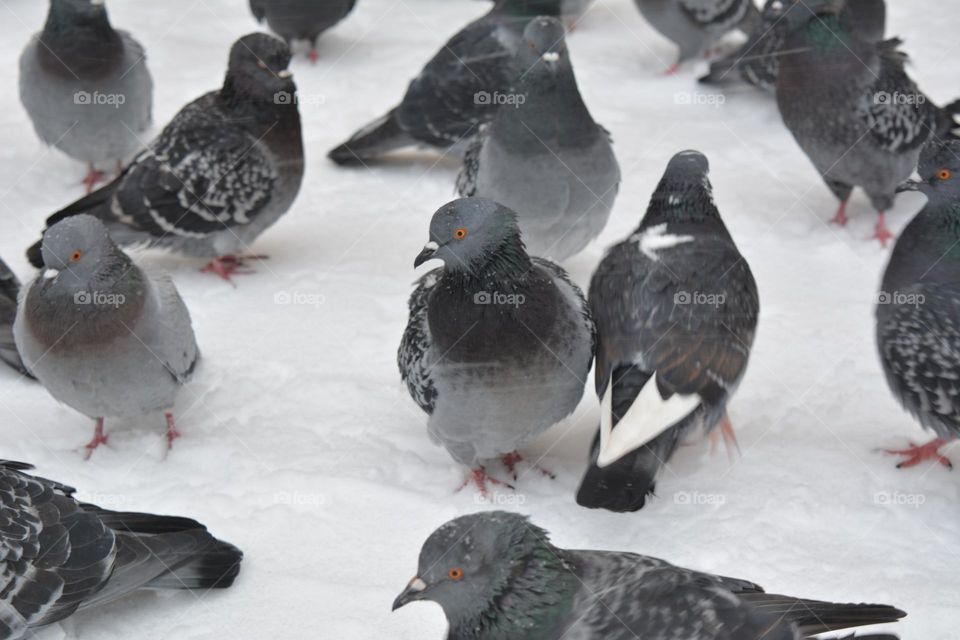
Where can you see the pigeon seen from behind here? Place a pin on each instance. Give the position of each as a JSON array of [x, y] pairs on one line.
[[498, 344], [59, 556], [9, 292], [102, 335], [225, 168], [497, 576], [545, 157], [676, 309], [86, 87], [918, 309], [853, 109], [301, 19]]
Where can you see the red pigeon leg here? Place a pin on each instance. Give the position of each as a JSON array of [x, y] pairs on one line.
[[98, 439], [916, 454]]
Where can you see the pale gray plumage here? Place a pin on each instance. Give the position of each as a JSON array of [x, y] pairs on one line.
[[86, 86], [696, 25], [103, 336], [497, 576], [9, 292], [498, 344], [544, 156], [59, 556]]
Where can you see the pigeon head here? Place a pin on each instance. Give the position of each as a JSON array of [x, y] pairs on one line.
[[258, 70], [798, 13], [470, 562], [529, 7], [78, 40], [69, 15], [471, 232], [79, 246], [684, 193], [939, 171], [544, 45]]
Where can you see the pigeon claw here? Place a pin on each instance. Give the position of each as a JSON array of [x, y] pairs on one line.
[[480, 478], [92, 178], [511, 459], [672, 69], [313, 55], [916, 454], [230, 265], [840, 218], [98, 439], [881, 232], [172, 432]]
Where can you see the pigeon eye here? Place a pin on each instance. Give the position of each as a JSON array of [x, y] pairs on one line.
[[455, 573], [460, 233], [76, 255], [944, 174]]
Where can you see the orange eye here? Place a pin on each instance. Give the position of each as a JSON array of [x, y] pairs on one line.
[[944, 174], [76, 255], [455, 574], [460, 233]]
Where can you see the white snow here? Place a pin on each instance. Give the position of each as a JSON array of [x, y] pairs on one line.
[[301, 445]]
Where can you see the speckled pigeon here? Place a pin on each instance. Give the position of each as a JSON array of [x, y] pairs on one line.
[[498, 576], [545, 157], [86, 87], [696, 25], [301, 19], [676, 311], [918, 309], [227, 166], [499, 344], [852, 108], [757, 61], [103, 336], [9, 292], [59, 556], [461, 87]]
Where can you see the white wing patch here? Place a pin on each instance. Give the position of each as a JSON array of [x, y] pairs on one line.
[[648, 416], [655, 238]]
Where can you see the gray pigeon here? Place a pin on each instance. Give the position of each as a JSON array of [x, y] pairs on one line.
[[918, 309], [86, 87], [497, 576], [696, 25], [461, 87], [227, 166], [9, 292], [103, 336], [301, 19], [757, 61], [852, 108], [499, 344], [545, 157], [676, 311], [59, 556]]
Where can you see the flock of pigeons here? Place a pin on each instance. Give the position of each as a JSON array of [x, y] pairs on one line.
[[500, 340]]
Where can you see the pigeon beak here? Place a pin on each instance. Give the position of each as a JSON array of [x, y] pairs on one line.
[[414, 591], [909, 185], [50, 274], [284, 74], [429, 250]]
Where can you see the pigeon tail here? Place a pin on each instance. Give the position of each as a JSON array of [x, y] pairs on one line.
[[815, 616], [380, 136]]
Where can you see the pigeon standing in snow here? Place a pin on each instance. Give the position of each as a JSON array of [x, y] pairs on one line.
[[301, 19], [676, 308], [757, 61], [545, 157], [499, 344], [85, 86], [103, 336], [852, 108], [59, 556], [460, 88], [918, 310], [696, 25], [9, 292], [227, 166], [496, 575]]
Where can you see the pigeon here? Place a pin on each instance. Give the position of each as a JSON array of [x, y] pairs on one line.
[[227, 166], [9, 292], [301, 19], [103, 336], [545, 157], [461, 87], [86, 87], [499, 344], [59, 555], [497, 575], [852, 108], [696, 25], [676, 308], [918, 309], [757, 61]]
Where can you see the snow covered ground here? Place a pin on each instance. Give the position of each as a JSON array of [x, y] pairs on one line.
[[302, 447]]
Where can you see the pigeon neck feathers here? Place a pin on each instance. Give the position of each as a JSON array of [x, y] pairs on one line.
[[507, 262], [86, 49], [683, 201]]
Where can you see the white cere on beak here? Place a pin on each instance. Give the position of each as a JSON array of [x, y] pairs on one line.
[[550, 56], [417, 585], [97, 3], [432, 246], [50, 274], [286, 73]]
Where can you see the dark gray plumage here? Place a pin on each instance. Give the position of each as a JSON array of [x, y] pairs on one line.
[[9, 292], [59, 556], [545, 157], [497, 576], [570, 10], [498, 344], [918, 309], [227, 166], [301, 19], [676, 310], [86, 86], [852, 108]]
